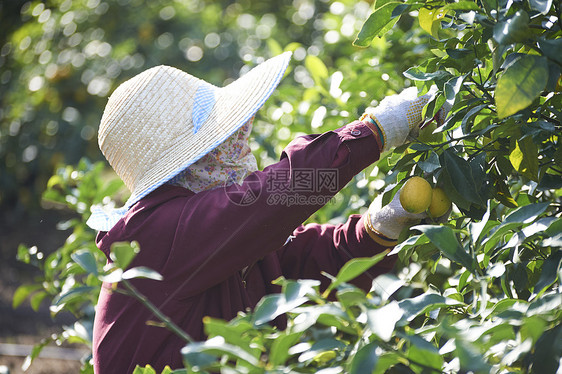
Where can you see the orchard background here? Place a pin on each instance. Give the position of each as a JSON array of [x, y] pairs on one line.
[[479, 294]]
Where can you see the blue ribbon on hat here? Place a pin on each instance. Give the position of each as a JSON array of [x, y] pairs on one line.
[[203, 104]]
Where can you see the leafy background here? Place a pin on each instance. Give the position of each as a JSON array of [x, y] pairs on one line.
[[480, 293]]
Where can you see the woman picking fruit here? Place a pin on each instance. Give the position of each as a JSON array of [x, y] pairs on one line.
[[217, 229]]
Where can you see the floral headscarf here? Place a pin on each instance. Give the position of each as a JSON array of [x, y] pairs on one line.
[[229, 163]]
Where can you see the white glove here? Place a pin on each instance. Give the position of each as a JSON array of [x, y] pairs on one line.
[[397, 115], [392, 218]]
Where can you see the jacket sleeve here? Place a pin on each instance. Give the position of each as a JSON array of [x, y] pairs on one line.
[[221, 231], [314, 248]]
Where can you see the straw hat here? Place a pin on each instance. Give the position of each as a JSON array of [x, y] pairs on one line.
[[162, 120]]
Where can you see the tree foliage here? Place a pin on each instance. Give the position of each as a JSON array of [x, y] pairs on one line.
[[480, 293]]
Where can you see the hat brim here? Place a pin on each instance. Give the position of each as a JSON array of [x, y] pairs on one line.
[[235, 105]]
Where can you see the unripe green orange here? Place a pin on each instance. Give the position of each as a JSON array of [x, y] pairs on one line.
[[440, 203], [416, 195]]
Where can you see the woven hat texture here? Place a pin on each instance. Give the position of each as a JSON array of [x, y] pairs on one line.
[[162, 120]]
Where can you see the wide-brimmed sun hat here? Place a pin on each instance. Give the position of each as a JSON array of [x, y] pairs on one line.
[[162, 120]]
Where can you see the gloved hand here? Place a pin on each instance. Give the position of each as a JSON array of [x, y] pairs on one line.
[[391, 219], [418, 196], [398, 116]]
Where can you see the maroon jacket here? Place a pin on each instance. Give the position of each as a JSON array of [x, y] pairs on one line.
[[201, 242]]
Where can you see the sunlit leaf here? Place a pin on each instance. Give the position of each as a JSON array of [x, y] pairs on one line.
[[217, 347], [142, 272], [377, 22], [520, 84], [462, 5], [430, 20], [383, 320], [525, 214], [385, 285], [355, 267], [272, 306], [524, 158], [144, 370]]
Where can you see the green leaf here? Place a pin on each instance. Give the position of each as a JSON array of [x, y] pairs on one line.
[[470, 357], [415, 73], [552, 48], [512, 30], [349, 297], [462, 5], [525, 214], [532, 327], [419, 342], [520, 84], [377, 22], [427, 358], [445, 240], [549, 272], [36, 300], [316, 68], [554, 228], [86, 260], [71, 294], [198, 360], [475, 229], [386, 361], [234, 332], [382, 320], [430, 164], [142, 272], [425, 302], [385, 285], [280, 348], [547, 352], [365, 360], [122, 253], [217, 347], [430, 20], [525, 158], [452, 88], [461, 176], [272, 306], [22, 292], [412, 241], [542, 6], [353, 268], [548, 304], [144, 370]]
